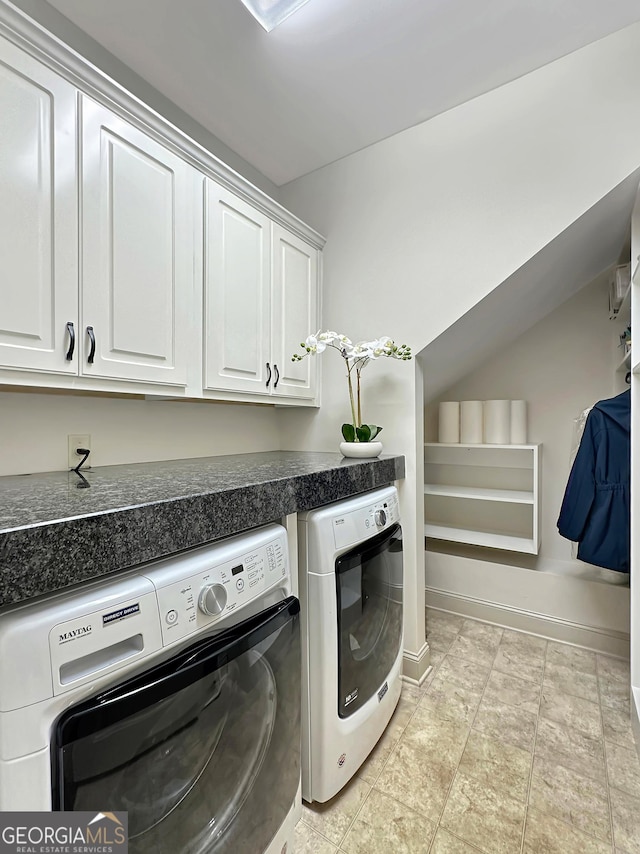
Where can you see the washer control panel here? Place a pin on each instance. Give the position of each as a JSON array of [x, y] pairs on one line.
[[219, 586], [357, 525]]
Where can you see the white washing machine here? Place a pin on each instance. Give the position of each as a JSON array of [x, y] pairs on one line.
[[350, 565], [172, 692]]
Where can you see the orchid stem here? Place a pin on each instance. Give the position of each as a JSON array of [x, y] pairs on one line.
[[353, 408]]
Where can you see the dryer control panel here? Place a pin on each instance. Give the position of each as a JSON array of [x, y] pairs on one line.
[[357, 525], [216, 580]]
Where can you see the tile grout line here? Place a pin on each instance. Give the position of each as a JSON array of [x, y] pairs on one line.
[[587, 776], [533, 751], [484, 689], [608, 787], [355, 816], [464, 841], [317, 832], [384, 764], [620, 745], [604, 751], [565, 690], [338, 845], [413, 707], [438, 824], [582, 773], [393, 750]]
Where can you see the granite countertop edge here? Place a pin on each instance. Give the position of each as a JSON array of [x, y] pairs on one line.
[[105, 530]]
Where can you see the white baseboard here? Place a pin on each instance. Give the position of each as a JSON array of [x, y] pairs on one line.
[[546, 598], [414, 682], [635, 717], [590, 637], [416, 666]]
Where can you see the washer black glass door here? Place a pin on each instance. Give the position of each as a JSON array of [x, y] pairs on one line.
[[201, 750], [369, 589]]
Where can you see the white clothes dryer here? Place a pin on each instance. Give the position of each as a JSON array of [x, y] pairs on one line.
[[350, 565], [171, 692]]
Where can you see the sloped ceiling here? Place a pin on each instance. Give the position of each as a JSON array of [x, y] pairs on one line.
[[338, 75], [580, 253]]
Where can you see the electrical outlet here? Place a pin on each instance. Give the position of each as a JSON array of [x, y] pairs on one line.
[[78, 441]]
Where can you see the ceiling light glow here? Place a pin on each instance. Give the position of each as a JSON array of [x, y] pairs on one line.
[[270, 13]]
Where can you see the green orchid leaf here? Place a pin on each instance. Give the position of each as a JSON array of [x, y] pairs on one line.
[[348, 432], [374, 431], [363, 433]]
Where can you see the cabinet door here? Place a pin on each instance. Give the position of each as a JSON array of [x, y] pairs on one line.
[[237, 294], [294, 314], [38, 219], [137, 252]]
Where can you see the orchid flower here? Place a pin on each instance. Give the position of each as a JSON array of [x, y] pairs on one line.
[[357, 356]]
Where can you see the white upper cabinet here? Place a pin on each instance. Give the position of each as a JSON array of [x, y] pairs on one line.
[[38, 238], [261, 300], [237, 294], [294, 313], [137, 203], [115, 276]]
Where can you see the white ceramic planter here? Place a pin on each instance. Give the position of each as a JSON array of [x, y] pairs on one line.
[[361, 450]]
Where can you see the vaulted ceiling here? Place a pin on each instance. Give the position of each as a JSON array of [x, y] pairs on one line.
[[338, 75], [575, 258]]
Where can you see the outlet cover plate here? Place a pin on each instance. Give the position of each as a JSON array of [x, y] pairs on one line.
[[78, 440]]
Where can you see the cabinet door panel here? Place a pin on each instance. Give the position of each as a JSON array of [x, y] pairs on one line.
[[39, 284], [237, 285], [295, 312], [137, 252]]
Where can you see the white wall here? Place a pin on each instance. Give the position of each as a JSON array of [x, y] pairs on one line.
[[635, 471], [34, 429], [561, 366], [422, 225], [437, 216]]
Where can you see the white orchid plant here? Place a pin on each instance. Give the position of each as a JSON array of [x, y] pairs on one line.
[[356, 357]]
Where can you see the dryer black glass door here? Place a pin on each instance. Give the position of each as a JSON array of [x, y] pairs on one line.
[[369, 591], [201, 750]]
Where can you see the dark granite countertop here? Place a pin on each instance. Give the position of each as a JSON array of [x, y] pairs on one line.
[[54, 534]]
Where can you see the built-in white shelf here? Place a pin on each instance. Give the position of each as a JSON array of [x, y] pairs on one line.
[[483, 495], [511, 496], [490, 539], [479, 446]]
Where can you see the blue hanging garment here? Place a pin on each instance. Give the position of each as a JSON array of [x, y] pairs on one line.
[[596, 510]]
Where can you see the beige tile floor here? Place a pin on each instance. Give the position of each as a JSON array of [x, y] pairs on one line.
[[514, 744]]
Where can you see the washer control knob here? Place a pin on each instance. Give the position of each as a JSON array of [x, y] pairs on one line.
[[381, 518], [212, 599]]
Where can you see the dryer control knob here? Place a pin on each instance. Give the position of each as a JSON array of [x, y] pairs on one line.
[[381, 518], [212, 599]]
